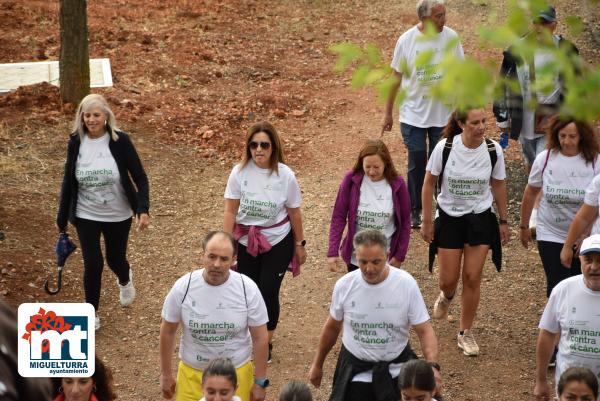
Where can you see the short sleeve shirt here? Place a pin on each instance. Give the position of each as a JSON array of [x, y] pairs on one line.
[[215, 319], [264, 196], [377, 317], [591, 198], [418, 108], [563, 180], [466, 181], [572, 311], [375, 209], [100, 194]]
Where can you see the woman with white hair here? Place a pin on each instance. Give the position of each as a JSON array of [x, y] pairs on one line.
[[103, 182]]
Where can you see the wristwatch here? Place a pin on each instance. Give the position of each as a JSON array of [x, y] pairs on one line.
[[263, 382], [436, 366], [301, 243]]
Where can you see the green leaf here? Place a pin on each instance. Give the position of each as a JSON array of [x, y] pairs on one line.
[[373, 54], [347, 53], [575, 24], [359, 77]]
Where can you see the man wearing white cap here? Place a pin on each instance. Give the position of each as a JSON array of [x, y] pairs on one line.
[[572, 316]]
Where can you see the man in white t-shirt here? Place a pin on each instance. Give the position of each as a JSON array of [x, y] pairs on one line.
[[222, 314], [573, 316], [421, 117], [376, 306]]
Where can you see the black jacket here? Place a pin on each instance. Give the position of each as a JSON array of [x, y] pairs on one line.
[[383, 385], [509, 106], [130, 168]]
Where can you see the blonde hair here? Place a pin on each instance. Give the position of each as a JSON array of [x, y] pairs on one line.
[[89, 102]]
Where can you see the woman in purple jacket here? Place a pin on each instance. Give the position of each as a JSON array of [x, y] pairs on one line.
[[371, 196]]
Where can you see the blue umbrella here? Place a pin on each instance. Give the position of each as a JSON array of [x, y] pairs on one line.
[[63, 248]]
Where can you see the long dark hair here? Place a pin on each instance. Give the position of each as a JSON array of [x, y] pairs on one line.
[[452, 128], [377, 147], [588, 143], [103, 382], [276, 155]]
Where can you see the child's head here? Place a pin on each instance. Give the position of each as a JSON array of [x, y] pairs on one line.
[[416, 381], [578, 384], [219, 380], [295, 391]]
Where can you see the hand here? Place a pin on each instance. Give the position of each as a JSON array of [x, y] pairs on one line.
[[60, 230], [301, 254], [143, 221], [525, 237], [427, 231], [167, 384], [541, 391], [315, 374], [333, 262], [566, 256], [395, 262], [257, 393], [504, 234], [388, 123]]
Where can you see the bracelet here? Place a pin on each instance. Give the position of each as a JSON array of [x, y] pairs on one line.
[[524, 227], [503, 221]]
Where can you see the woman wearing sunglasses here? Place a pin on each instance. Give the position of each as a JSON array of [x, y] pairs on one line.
[[262, 210]]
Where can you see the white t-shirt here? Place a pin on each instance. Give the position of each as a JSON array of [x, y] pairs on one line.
[[418, 108], [215, 319], [377, 317], [563, 187], [375, 209], [573, 310], [466, 182], [592, 198], [100, 194], [264, 197], [542, 60]]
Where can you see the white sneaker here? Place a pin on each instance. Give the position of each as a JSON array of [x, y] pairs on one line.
[[97, 322], [127, 291], [440, 307], [467, 343]]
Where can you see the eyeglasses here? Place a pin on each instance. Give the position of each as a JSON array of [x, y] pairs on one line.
[[263, 145]]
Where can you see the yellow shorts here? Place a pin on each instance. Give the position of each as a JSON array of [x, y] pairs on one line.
[[189, 382]]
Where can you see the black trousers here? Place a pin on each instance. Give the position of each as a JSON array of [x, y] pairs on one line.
[[116, 235], [555, 271], [267, 271]]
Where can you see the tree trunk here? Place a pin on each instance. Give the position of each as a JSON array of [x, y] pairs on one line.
[[74, 65]]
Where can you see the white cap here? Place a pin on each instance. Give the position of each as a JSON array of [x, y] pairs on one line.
[[590, 244]]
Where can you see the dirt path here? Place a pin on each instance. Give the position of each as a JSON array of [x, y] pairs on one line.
[[195, 76]]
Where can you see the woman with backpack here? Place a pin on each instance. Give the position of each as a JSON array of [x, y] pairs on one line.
[[469, 172], [561, 173]]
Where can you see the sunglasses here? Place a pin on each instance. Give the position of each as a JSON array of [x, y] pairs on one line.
[[264, 145]]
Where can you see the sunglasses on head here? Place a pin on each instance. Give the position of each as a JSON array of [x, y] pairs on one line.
[[264, 145]]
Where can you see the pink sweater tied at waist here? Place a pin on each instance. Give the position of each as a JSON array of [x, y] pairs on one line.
[[258, 243]]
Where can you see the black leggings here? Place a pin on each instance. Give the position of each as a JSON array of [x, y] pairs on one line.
[[555, 271], [267, 271], [115, 244]]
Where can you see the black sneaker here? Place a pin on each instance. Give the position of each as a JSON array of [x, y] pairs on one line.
[[415, 218], [269, 359]]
